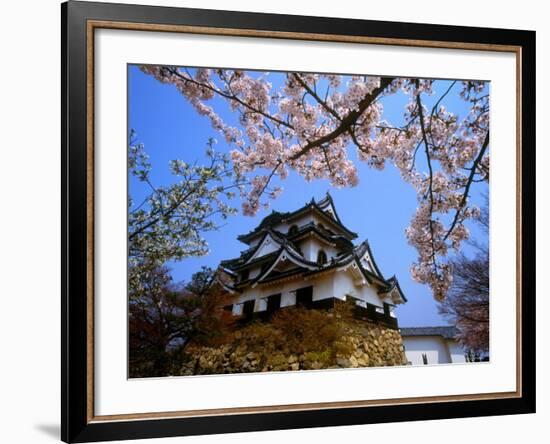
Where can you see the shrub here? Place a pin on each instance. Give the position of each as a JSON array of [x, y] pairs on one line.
[[262, 336], [325, 358]]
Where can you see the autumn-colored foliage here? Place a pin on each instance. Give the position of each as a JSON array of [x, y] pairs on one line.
[[312, 330], [317, 334], [467, 303], [296, 338], [164, 317]]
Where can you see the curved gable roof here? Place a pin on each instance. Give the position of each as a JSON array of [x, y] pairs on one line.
[[282, 254], [394, 284], [247, 256], [364, 248], [277, 217], [327, 202]]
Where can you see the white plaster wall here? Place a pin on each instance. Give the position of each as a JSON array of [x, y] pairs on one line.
[[288, 299], [310, 248], [337, 284], [254, 272], [306, 246], [343, 285], [323, 287], [305, 219], [251, 293], [268, 246], [261, 305], [237, 310], [367, 262], [435, 348], [283, 227], [286, 289], [369, 294], [456, 351], [301, 221]]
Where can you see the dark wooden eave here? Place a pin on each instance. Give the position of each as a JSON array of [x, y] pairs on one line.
[[327, 200], [393, 282], [242, 262], [276, 217]]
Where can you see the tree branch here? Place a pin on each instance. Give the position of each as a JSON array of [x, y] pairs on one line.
[[347, 121], [468, 185]]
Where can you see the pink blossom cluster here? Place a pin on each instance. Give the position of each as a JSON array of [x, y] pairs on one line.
[[310, 123]]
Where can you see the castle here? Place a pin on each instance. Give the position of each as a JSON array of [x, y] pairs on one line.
[[307, 257]]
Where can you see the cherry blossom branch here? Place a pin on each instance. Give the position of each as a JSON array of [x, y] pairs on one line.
[[468, 185], [430, 177], [349, 120], [295, 126], [190, 79], [436, 106], [313, 94]]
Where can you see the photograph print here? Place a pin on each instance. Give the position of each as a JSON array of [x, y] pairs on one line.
[[292, 221]]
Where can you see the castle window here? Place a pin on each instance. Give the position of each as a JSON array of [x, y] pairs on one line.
[[245, 274], [293, 230], [321, 257]]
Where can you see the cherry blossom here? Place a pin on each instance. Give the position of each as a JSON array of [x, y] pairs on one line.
[[318, 125], [169, 223]]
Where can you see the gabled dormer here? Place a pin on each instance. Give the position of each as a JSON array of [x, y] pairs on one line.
[[327, 205], [321, 214]]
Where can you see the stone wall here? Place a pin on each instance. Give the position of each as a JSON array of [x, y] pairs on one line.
[[362, 344]]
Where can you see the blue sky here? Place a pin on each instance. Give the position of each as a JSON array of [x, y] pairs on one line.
[[378, 209]]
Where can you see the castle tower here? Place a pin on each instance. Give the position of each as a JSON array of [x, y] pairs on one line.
[[307, 257]]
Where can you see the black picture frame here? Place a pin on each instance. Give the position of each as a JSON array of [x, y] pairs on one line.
[[76, 423]]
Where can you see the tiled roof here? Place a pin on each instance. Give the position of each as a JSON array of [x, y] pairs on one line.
[[447, 331], [240, 261], [393, 282], [276, 217], [238, 264]]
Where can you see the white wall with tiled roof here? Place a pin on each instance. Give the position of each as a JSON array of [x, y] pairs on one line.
[[434, 348], [437, 349]]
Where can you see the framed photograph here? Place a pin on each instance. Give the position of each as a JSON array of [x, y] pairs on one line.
[[275, 221]]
